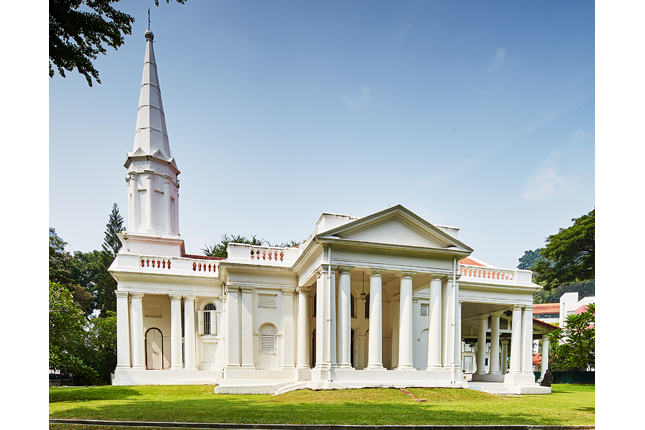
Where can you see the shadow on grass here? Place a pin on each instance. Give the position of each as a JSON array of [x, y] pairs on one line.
[[73, 394], [587, 409], [249, 411]]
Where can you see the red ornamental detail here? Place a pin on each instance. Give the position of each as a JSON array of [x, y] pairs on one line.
[[264, 255], [143, 262], [281, 255], [200, 267], [269, 256], [194, 266], [276, 256], [147, 262], [163, 264], [209, 267], [158, 264], [168, 264]]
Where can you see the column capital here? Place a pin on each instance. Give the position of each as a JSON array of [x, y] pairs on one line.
[[504, 341], [376, 272], [319, 271], [230, 289], [483, 317], [405, 274], [190, 298], [289, 291], [434, 276], [246, 289], [174, 297], [517, 307], [121, 294], [345, 269], [303, 290], [496, 314], [137, 295], [529, 307], [545, 337]]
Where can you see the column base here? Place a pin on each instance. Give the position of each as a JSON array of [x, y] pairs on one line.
[[405, 367], [376, 367]]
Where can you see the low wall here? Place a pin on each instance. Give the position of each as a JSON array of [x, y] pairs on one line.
[[571, 377]]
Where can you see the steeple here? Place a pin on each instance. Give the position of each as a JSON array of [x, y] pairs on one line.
[[151, 134], [153, 188]]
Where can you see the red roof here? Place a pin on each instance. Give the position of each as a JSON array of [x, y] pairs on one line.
[[470, 262], [547, 308]]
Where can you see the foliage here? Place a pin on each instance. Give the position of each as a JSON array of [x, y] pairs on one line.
[[530, 259], [219, 249], [68, 338], [573, 347], [78, 30], [111, 242], [583, 288], [569, 254], [60, 261], [570, 404]]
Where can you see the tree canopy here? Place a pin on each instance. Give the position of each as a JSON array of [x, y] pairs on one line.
[[219, 249], [569, 255], [574, 345], [79, 30]]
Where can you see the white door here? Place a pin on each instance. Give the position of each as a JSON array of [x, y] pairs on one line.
[[154, 349]]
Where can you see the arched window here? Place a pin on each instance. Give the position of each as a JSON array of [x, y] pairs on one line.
[[207, 320], [268, 338]]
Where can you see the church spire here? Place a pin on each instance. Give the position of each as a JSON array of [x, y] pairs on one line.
[[150, 135], [153, 187]]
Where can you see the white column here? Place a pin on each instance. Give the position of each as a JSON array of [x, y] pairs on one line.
[[287, 322], [232, 327], [516, 341], [175, 332], [247, 327], [166, 204], [122, 330], [138, 348], [189, 332], [331, 280], [457, 341], [494, 344], [545, 355], [504, 356], [303, 329], [434, 324], [375, 357], [320, 319], [527, 339], [481, 345], [405, 323], [344, 317], [150, 200], [447, 324]]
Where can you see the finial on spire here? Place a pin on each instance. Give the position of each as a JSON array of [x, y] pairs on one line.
[[148, 33]]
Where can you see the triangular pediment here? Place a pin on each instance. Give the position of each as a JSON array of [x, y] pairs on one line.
[[396, 226]]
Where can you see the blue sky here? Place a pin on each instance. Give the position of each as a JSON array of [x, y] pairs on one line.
[[479, 115]]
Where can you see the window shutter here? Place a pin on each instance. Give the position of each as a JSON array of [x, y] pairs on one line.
[[267, 342], [200, 322], [213, 322], [425, 310]]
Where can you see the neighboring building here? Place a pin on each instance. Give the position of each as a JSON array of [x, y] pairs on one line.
[[384, 300], [557, 313]]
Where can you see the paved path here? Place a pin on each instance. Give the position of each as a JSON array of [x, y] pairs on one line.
[[309, 426]]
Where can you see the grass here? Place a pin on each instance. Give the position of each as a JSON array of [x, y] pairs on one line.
[[568, 405]]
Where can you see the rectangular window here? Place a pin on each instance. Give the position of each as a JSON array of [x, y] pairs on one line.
[[267, 300], [159, 215], [425, 309], [207, 322]]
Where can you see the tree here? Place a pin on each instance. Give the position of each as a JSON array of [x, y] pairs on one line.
[[60, 261], [219, 249], [111, 242], [569, 254], [574, 345], [583, 288], [530, 259], [69, 348], [78, 30]]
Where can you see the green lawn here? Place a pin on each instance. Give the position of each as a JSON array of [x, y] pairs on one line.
[[568, 405]]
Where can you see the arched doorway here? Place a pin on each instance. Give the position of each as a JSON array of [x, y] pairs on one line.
[[154, 349]]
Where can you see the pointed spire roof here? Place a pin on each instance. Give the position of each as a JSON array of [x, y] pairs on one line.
[[151, 135]]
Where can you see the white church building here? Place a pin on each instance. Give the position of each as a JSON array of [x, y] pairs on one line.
[[386, 300]]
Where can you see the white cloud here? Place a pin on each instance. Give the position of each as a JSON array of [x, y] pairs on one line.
[[500, 56], [546, 182], [354, 103], [579, 133]]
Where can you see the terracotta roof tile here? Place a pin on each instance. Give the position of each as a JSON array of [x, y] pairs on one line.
[[546, 308], [470, 262]]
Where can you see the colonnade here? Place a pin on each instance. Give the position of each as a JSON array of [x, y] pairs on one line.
[[521, 345], [333, 324], [134, 338]]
